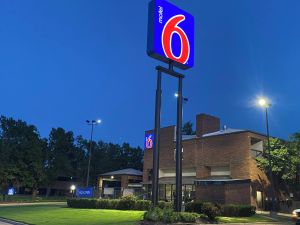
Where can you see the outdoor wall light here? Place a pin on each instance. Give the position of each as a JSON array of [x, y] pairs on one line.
[[73, 187], [112, 177]]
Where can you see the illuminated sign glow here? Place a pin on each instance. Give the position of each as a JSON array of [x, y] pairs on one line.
[[11, 191], [84, 192], [149, 141], [170, 34]]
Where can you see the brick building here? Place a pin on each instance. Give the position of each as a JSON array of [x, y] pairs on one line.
[[119, 183], [218, 164]]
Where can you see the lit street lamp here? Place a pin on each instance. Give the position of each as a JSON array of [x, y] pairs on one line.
[[73, 188], [264, 103], [92, 123], [185, 100]]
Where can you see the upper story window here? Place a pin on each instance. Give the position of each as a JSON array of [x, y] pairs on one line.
[[257, 147]]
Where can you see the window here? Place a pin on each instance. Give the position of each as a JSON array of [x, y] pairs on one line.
[[220, 171], [257, 147]]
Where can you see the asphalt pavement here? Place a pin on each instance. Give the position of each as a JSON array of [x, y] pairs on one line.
[[9, 222], [3, 223]]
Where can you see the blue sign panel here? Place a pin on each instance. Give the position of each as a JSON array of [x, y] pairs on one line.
[[84, 192], [170, 34], [11, 191], [149, 141]]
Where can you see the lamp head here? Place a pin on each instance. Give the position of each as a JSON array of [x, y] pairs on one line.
[[263, 102]]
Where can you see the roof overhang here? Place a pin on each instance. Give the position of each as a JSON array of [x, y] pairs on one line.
[[222, 182]]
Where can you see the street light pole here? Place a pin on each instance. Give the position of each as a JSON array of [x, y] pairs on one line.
[[270, 163], [92, 123], [265, 104], [155, 173]]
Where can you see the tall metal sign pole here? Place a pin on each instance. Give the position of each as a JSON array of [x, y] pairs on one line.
[[165, 20], [155, 170], [179, 149]]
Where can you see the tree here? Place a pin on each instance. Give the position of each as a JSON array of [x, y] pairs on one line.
[[22, 154], [294, 146], [64, 158], [27, 160], [283, 159], [109, 157], [187, 128]]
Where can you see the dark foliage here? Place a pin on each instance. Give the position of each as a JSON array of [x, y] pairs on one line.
[[167, 215], [125, 203], [213, 210], [27, 160]]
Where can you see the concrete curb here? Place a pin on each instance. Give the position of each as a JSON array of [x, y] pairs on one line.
[[260, 223], [11, 222]]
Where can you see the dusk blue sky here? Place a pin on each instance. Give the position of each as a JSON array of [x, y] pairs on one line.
[[62, 62]]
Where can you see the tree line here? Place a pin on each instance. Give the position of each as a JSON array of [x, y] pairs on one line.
[[28, 160]]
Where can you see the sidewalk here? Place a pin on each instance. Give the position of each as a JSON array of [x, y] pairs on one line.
[[32, 203], [278, 213], [283, 218]]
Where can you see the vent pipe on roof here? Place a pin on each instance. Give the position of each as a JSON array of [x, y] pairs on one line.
[[224, 127]]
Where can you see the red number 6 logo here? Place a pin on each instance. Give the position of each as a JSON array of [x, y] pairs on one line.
[[170, 28]]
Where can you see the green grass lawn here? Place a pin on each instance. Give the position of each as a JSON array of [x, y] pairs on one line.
[[58, 215], [252, 219]]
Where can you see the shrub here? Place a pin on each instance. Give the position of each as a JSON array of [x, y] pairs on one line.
[[229, 210], [127, 202], [167, 215], [213, 210], [188, 217], [142, 205], [164, 205], [81, 203], [94, 203], [155, 215], [103, 204], [247, 210], [238, 210], [207, 208], [194, 207], [210, 210]]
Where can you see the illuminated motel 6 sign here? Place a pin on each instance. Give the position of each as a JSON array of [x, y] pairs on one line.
[[149, 141], [170, 34]]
